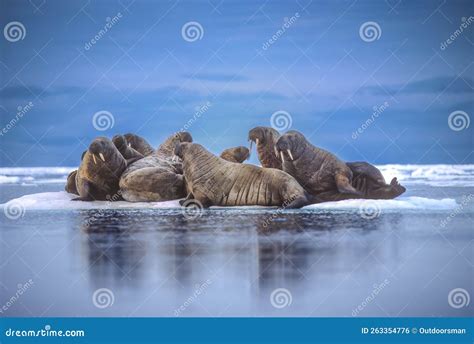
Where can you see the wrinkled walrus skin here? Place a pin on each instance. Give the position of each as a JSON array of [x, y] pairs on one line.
[[98, 175], [366, 177], [236, 154], [215, 181], [156, 177]]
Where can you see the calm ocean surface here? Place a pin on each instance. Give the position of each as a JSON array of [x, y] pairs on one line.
[[402, 258]]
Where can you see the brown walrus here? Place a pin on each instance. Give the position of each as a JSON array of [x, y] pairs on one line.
[[369, 180], [139, 144], [71, 183], [326, 177], [156, 177], [265, 139], [366, 177], [215, 181], [99, 172], [236, 154]]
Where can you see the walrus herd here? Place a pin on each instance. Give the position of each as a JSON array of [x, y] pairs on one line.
[[293, 172]]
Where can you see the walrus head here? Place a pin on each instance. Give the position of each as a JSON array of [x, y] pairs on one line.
[[167, 147], [139, 144], [263, 136], [102, 149], [291, 145], [236, 154]]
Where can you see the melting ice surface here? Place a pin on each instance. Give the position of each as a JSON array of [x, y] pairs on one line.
[[397, 257]]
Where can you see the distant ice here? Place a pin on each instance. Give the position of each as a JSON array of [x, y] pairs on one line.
[[434, 175], [62, 200], [34, 175]]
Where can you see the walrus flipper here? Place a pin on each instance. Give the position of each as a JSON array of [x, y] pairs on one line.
[[87, 192], [344, 186]]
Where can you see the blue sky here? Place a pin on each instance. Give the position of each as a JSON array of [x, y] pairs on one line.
[[319, 70]]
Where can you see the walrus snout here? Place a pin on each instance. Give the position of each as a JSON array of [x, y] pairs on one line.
[[100, 147]]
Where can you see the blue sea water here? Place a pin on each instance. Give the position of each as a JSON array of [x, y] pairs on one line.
[[408, 257]]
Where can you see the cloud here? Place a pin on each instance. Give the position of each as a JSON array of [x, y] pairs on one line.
[[445, 84], [218, 77]]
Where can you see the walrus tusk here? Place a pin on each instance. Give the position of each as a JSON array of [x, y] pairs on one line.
[[256, 142], [93, 157], [276, 151], [282, 156], [289, 153], [102, 157], [129, 144]]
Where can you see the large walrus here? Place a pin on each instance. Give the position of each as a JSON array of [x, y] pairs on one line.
[[99, 172], [366, 177], [236, 154], [265, 139], [326, 177], [215, 181], [156, 177]]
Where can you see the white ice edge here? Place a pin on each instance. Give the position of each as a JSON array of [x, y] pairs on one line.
[[441, 175], [62, 200]]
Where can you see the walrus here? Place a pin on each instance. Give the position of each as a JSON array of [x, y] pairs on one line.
[[139, 144], [366, 177], [71, 183], [99, 172], [326, 177], [265, 139], [369, 180], [214, 181], [236, 154], [156, 177]]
